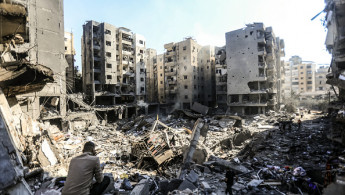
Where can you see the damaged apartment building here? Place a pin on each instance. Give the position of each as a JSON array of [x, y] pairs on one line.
[[32, 51], [221, 77], [113, 65], [254, 69], [186, 74], [335, 43]]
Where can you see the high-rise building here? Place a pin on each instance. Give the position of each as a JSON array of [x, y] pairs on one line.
[[189, 74], [182, 73], [113, 61], [252, 69]]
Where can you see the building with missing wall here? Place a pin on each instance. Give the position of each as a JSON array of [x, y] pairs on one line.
[[252, 69], [113, 61]]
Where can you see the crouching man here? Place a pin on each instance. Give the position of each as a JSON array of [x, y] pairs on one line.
[[81, 171]]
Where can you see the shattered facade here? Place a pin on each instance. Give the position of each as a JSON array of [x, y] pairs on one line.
[[335, 43], [253, 66], [161, 78], [32, 35], [113, 61], [69, 55]]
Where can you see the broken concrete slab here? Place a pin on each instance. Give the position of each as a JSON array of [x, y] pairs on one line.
[[192, 176], [255, 182], [142, 188], [186, 185], [213, 160], [48, 152], [241, 137], [199, 108]]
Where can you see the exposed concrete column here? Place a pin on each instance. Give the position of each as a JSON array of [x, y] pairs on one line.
[[63, 105], [243, 111], [146, 110], [126, 113], [240, 98]]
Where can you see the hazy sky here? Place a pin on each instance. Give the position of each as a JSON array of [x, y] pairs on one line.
[[165, 21]]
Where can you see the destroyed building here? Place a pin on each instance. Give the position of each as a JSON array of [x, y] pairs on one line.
[[253, 66], [70, 58], [113, 61], [335, 43], [32, 35], [221, 77]]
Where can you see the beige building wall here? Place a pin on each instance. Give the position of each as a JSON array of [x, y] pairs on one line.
[[161, 78]]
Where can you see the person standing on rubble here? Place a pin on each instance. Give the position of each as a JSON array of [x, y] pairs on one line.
[[299, 124], [81, 171], [229, 178]]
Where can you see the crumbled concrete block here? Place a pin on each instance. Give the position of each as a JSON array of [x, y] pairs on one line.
[[142, 188], [186, 185]]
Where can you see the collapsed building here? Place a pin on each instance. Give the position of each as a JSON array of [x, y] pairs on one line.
[[335, 44], [253, 69], [32, 41]]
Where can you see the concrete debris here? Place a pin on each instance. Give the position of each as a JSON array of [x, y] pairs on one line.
[[156, 155], [199, 108]]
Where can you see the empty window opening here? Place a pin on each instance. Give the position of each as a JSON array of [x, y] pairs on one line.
[[108, 65], [108, 43], [234, 99], [108, 32], [109, 76]]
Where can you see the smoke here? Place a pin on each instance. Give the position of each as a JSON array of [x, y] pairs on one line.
[[141, 103]]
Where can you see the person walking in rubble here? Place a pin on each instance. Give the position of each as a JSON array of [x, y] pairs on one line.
[[299, 124], [81, 171], [229, 178]]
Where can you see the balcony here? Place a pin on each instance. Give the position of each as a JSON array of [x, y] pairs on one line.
[[97, 69], [124, 52], [96, 47], [170, 82], [170, 53], [262, 65], [171, 91], [170, 73]]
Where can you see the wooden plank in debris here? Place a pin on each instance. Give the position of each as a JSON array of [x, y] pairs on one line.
[[271, 183]]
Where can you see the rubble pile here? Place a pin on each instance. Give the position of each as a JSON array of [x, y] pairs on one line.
[[183, 154]]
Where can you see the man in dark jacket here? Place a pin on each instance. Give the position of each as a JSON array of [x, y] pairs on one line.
[[81, 171], [229, 178]]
